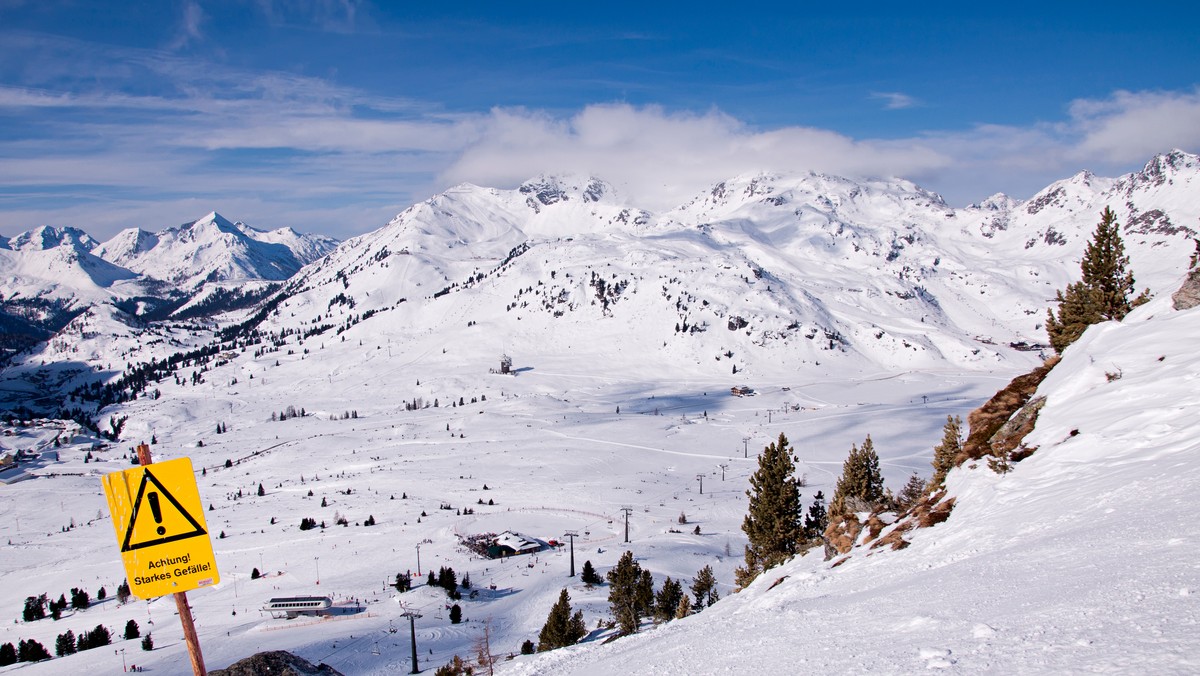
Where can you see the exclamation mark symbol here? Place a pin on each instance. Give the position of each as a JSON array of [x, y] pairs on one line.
[[152, 497]]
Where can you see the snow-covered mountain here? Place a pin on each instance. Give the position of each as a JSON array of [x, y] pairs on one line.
[[213, 249], [760, 272], [364, 391], [51, 278]]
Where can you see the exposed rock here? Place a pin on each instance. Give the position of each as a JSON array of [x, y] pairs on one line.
[[988, 420], [275, 663], [1011, 433], [1188, 295]]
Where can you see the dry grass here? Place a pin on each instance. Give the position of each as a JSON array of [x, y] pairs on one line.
[[842, 532], [874, 527], [937, 514]]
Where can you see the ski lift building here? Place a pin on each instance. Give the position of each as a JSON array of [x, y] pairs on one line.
[[509, 543], [295, 606]]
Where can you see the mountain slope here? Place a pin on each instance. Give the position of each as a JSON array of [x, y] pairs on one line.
[[1074, 562], [762, 272]]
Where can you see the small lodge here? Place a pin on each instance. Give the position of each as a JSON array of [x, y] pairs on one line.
[[741, 391], [509, 543], [294, 606]]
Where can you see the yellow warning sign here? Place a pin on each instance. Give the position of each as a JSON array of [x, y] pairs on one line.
[[159, 522]]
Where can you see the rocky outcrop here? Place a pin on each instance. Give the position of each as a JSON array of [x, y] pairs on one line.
[[1188, 295], [275, 663]]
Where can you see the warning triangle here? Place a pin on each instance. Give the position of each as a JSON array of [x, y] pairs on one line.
[[157, 517]]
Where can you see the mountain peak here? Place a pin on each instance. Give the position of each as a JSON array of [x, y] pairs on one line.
[[1162, 169], [216, 219], [49, 237], [553, 188]]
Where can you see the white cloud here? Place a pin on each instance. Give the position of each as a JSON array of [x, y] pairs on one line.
[[297, 150], [896, 100], [1132, 126], [332, 16], [190, 31], [659, 159]]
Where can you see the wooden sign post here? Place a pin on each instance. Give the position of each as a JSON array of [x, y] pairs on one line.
[[165, 545]]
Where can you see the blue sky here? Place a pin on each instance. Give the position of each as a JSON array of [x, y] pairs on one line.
[[332, 116]]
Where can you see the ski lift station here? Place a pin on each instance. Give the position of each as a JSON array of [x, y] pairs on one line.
[[295, 606]]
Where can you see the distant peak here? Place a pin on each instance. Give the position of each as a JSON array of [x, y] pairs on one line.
[[997, 202], [49, 237], [215, 219], [1175, 160], [552, 188]]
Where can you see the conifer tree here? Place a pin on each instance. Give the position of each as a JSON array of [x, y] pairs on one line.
[[645, 594], [945, 453], [35, 608], [666, 601], [817, 519], [31, 651], [684, 608], [1104, 292], [589, 575], [704, 589], [861, 478], [147, 643], [561, 628], [65, 644], [623, 593], [772, 523], [912, 491], [8, 654], [131, 630]]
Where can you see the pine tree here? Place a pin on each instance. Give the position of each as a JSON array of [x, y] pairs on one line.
[[817, 519], [912, 492], [1078, 308], [945, 453], [65, 644], [147, 643], [644, 594], [123, 592], [131, 630], [561, 627], [31, 651], [704, 589], [79, 599], [1104, 292], [622, 592], [589, 575], [684, 608], [455, 614], [666, 601], [773, 521], [8, 654], [861, 479], [35, 608]]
